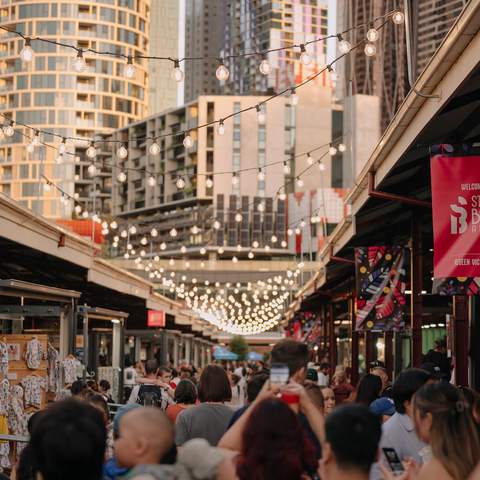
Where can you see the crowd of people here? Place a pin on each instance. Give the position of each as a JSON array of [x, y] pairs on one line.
[[245, 423]]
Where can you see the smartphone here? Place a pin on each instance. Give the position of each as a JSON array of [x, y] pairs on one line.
[[279, 374], [393, 461]]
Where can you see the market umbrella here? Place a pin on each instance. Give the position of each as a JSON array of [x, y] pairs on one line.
[[254, 356], [223, 354]]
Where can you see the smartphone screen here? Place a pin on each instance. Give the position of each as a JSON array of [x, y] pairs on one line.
[[279, 374], [393, 460]]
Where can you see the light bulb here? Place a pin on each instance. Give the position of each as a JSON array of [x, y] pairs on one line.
[[124, 234], [79, 65], [370, 49], [78, 209], [274, 239], [332, 151], [130, 68], [163, 246], [234, 259], [282, 196], [398, 17], [122, 177], [261, 207], [220, 250], [289, 232], [284, 244], [286, 168], [151, 181], [264, 67], [309, 159], [113, 225], [341, 147], [27, 51], [238, 217], [122, 152], [154, 148], [173, 232], [62, 148], [239, 248], [217, 225], [85, 214], [187, 141], [30, 148], [297, 231], [195, 230], [235, 179], [209, 183], [91, 151], [203, 251], [47, 188], [372, 35], [177, 73], [180, 183], [133, 229], [251, 255], [36, 139], [9, 130], [261, 175], [305, 58], [222, 72], [255, 244], [293, 97], [300, 182], [267, 248], [321, 166], [344, 46], [221, 128], [261, 115], [154, 232], [92, 169], [59, 159]]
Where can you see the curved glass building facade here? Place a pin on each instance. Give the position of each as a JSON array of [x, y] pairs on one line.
[[48, 93]]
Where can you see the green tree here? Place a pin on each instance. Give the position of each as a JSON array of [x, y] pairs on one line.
[[239, 345]]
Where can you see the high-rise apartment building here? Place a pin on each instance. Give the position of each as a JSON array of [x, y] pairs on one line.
[[164, 39], [49, 93], [253, 26], [204, 37], [223, 174]]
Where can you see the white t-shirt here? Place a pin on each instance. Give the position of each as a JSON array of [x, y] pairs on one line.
[[322, 379], [129, 377]]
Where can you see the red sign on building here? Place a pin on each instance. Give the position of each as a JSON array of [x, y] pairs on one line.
[[456, 215], [156, 318]]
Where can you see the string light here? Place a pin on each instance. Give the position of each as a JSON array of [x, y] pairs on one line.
[[217, 225], [151, 181], [154, 232], [235, 179], [286, 168], [122, 177], [222, 72], [154, 148], [372, 35], [370, 49], [122, 152], [300, 182], [173, 232], [47, 187], [113, 225], [221, 128], [209, 182], [9, 130], [187, 141], [309, 159], [305, 58], [332, 150], [398, 17], [180, 183], [261, 207], [77, 209], [92, 169], [59, 159], [130, 69], [177, 73], [62, 148], [341, 147], [132, 229], [79, 64], [321, 166], [344, 46], [282, 196], [261, 115], [91, 151], [293, 97], [261, 175], [251, 255], [195, 230], [27, 52], [264, 67], [238, 217]]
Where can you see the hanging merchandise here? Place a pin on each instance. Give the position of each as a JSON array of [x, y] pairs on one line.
[[4, 402], [33, 386], [34, 354], [17, 419], [70, 369], [53, 369], [3, 358]]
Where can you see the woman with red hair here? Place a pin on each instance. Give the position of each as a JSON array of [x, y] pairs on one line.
[[270, 440]]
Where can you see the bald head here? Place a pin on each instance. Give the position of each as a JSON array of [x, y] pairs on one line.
[[146, 433]]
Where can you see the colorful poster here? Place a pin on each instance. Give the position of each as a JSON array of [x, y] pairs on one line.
[[456, 212], [381, 280], [456, 286]]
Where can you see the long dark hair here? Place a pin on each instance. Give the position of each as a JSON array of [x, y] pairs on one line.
[[368, 389], [454, 435], [274, 445]]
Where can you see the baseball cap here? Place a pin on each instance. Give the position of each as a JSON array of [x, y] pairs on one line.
[[383, 406], [432, 369]]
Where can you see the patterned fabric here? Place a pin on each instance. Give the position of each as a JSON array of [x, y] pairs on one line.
[[33, 390], [4, 446], [70, 369], [381, 280], [3, 359], [53, 369], [4, 396], [34, 354], [17, 419]]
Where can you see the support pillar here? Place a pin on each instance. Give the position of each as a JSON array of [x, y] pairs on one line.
[[354, 349], [460, 314], [175, 350], [209, 354], [164, 349], [332, 349], [67, 332], [188, 339], [138, 348], [196, 356], [416, 279], [369, 350], [388, 339]]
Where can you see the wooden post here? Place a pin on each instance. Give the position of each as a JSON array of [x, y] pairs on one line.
[[388, 338], [354, 349], [369, 350], [460, 313], [416, 280]]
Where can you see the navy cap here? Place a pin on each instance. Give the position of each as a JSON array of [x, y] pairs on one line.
[[383, 406]]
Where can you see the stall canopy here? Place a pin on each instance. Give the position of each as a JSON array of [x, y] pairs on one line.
[[254, 356], [224, 354]]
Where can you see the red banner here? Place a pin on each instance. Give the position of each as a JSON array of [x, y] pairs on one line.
[[456, 215], [156, 318]]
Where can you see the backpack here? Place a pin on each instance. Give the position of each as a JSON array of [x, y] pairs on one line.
[[150, 396]]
